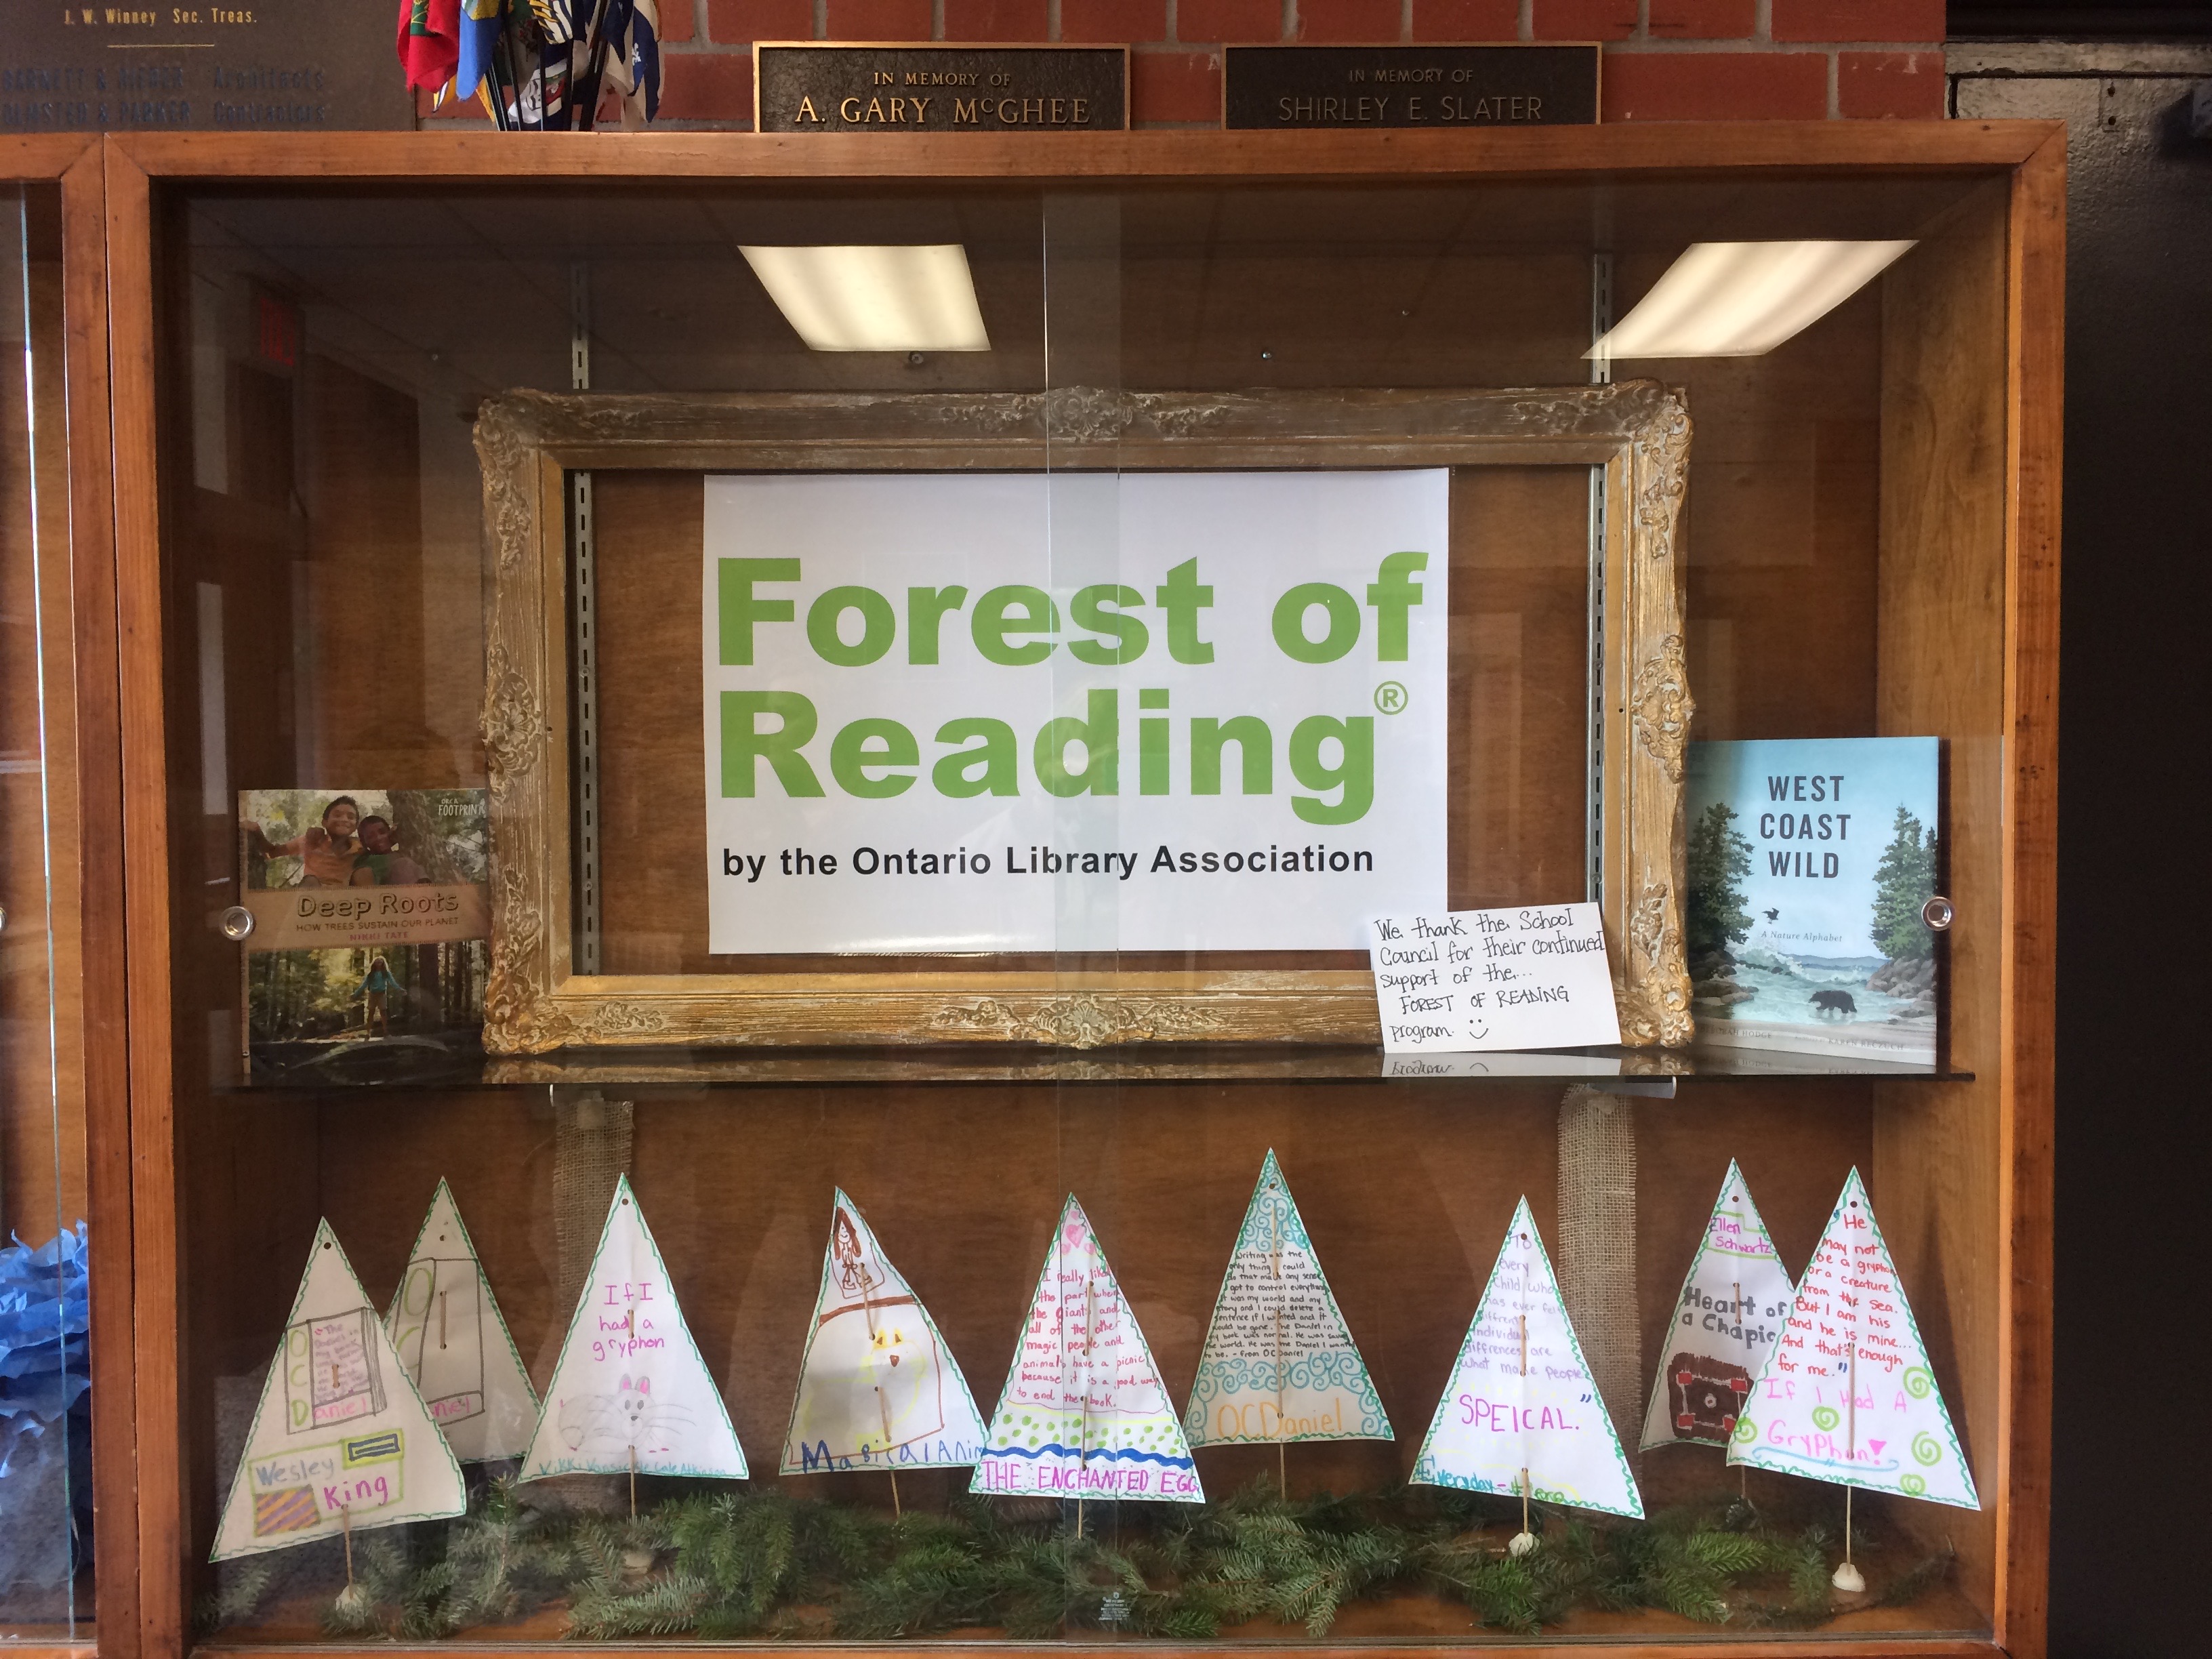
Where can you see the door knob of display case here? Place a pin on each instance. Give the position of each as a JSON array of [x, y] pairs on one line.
[[235, 924], [1937, 913]]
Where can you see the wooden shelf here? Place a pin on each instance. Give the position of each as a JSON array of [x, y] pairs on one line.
[[349, 1067]]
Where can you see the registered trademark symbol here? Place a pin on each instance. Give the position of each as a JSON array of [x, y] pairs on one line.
[[1390, 697]]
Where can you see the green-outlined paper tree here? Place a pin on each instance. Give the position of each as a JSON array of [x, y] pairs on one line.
[[879, 1388], [445, 1327], [1084, 1413], [1278, 1364], [341, 1442], [1847, 1395], [1727, 1321], [1521, 1415], [630, 1391]]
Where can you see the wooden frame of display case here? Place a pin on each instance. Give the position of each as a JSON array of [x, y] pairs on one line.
[[82, 749], [1968, 640]]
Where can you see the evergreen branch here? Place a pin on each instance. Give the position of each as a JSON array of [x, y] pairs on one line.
[[723, 1564]]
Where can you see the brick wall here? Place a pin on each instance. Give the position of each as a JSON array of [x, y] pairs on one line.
[[1665, 60]]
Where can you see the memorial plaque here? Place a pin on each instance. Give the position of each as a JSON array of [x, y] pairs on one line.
[[811, 88], [258, 66], [1282, 88]]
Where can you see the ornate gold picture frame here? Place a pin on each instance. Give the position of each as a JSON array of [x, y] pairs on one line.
[[530, 444]]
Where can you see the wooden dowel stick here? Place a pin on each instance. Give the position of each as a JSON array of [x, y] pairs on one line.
[[1850, 1434], [633, 1481], [1742, 1471], [883, 1412], [1847, 1578], [346, 1520], [883, 1400], [1282, 1423], [1082, 1437], [1525, 1529]]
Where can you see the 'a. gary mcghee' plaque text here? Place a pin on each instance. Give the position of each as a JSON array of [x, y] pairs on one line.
[[926, 88]]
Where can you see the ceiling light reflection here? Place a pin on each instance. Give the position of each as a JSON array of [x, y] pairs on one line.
[[1743, 298], [875, 299]]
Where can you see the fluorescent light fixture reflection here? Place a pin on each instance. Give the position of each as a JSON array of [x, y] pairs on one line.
[[875, 299], [1743, 298]]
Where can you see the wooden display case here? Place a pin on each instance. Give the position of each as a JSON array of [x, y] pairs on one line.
[[63, 1108], [1871, 549]]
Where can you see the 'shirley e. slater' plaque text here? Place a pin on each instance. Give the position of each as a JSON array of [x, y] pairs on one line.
[[834, 88], [1281, 88], [256, 66]]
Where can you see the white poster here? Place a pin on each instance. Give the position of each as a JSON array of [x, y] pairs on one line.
[[1009, 712]]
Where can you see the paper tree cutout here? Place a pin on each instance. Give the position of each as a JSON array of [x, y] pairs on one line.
[[1727, 1321], [340, 1438], [629, 1391], [1847, 1395], [1521, 1403], [877, 1385], [1084, 1413], [1278, 1363], [445, 1327]]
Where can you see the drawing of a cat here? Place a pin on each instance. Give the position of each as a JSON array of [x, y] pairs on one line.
[[609, 1424]]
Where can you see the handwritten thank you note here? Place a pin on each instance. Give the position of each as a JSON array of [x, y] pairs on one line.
[[1534, 976]]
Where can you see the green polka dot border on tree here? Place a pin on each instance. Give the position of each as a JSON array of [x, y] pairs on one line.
[[1084, 1413]]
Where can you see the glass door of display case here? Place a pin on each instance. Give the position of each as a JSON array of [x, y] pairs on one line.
[[758, 809], [64, 1355]]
